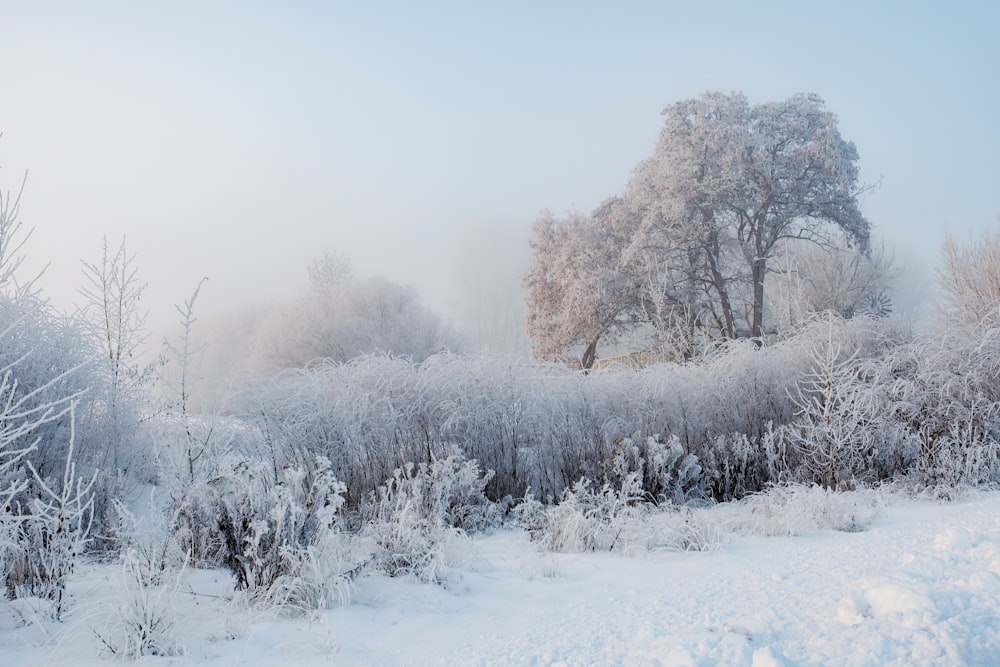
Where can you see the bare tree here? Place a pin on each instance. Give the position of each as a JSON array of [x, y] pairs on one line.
[[112, 311], [195, 443], [970, 280], [12, 241]]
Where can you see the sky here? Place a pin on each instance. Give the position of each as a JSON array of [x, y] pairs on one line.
[[240, 140]]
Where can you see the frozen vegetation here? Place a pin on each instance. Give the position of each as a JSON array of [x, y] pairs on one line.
[[821, 499], [815, 489], [799, 576]]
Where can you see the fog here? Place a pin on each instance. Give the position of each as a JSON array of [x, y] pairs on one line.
[[238, 143]]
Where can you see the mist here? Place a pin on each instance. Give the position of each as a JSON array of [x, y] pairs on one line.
[[240, 145]]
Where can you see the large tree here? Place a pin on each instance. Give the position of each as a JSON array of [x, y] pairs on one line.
[[686, 249], [730, 182]]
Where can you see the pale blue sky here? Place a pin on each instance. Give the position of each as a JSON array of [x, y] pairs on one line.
[[238, 140]]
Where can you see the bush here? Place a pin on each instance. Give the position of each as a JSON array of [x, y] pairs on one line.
[[139, 617], [421, 508], [261, 527], [585, 518]]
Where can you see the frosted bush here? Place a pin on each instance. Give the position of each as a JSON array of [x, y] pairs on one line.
[[139, 617], [836, 402], [264, 526], [420, 509], [609, 519], [960, 458], [319, 575], [794, 509], [665, 473], [739, 467], [44, 526], [585, 518], [947, 381]]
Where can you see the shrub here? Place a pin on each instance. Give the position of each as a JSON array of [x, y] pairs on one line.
[[262, 527], [420, 509], [585, 518]]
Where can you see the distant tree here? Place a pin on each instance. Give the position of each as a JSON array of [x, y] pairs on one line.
[[330, 274], [970, 280], [579, 291], [729, 183], [808, 279], [341, 318]]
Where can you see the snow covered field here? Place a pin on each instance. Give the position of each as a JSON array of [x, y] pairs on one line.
[[919, 586]]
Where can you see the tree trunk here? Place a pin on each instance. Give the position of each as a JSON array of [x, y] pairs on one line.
[[758, 271], [719, 283], [589, 355]]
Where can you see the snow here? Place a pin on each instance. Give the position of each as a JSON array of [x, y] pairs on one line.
[[919, 586]]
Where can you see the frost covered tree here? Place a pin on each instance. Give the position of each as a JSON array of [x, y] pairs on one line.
[[112, 313], [340, 318], [686, 250], [731, 182], [579, 292], [970, 280]]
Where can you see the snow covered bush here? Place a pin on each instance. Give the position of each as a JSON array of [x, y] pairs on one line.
[[836, 402], [47, 364], [959, 458], [585, 518], [793, 509], [262, 526], [139, 616], [319, 574], [664, 472], [355, 415], [942, 388], [738, 466], [44, 532], [148, 539], [415, 514], [945, 392], [617, 519]]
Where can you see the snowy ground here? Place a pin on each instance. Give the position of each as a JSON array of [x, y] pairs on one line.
[[920, 586]]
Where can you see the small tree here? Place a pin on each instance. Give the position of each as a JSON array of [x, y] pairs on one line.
[[579, 291], [112, 312], [196, 437], [831, 431]]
